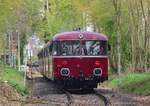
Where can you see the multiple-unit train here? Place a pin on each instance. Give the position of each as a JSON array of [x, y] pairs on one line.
[[75, 59]]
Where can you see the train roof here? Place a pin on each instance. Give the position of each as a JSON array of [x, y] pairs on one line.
[[75, 35]]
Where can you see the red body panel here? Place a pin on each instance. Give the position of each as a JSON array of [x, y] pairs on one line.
[[77, 64]]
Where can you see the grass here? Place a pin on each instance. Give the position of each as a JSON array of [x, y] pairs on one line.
[[136, 83], [1, 62], [14, 78]]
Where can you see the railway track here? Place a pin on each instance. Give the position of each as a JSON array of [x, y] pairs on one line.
[[69, 98], [53, 95], [106, 102]]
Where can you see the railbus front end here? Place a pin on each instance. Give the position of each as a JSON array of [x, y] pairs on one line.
[[80, 59]]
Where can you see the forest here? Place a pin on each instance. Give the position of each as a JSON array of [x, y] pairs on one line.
[[27, 24], [125, 22]]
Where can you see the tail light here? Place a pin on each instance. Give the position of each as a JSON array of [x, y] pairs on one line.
[[97, 71], [97, 63], [65, 72]]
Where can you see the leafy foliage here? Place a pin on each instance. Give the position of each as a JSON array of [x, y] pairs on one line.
[[30, 16], [14, 78], [137, 83]]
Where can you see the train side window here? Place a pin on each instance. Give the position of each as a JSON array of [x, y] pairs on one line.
[[50, 49], [56, 49]]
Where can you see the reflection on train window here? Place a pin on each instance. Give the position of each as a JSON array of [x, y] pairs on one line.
[[94, 48], [75, 48], [67, 48]]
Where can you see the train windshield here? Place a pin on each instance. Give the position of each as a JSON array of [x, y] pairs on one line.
[[94, 48], [67, 48], [78, 48]]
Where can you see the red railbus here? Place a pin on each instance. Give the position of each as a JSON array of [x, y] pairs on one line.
[[75, 59]]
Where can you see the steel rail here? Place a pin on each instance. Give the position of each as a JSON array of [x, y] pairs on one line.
[[69, 97], [105, 99]]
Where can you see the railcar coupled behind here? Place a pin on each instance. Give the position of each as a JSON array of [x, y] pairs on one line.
[[75, 59]]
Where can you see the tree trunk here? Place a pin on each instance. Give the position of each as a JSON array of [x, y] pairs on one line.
[[117, 7]]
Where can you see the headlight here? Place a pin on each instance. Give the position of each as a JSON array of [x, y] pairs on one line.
[[65, 71], [97, 71]]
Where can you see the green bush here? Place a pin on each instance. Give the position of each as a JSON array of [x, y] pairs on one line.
[[1, 62], [14, 78], [137, 83]]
